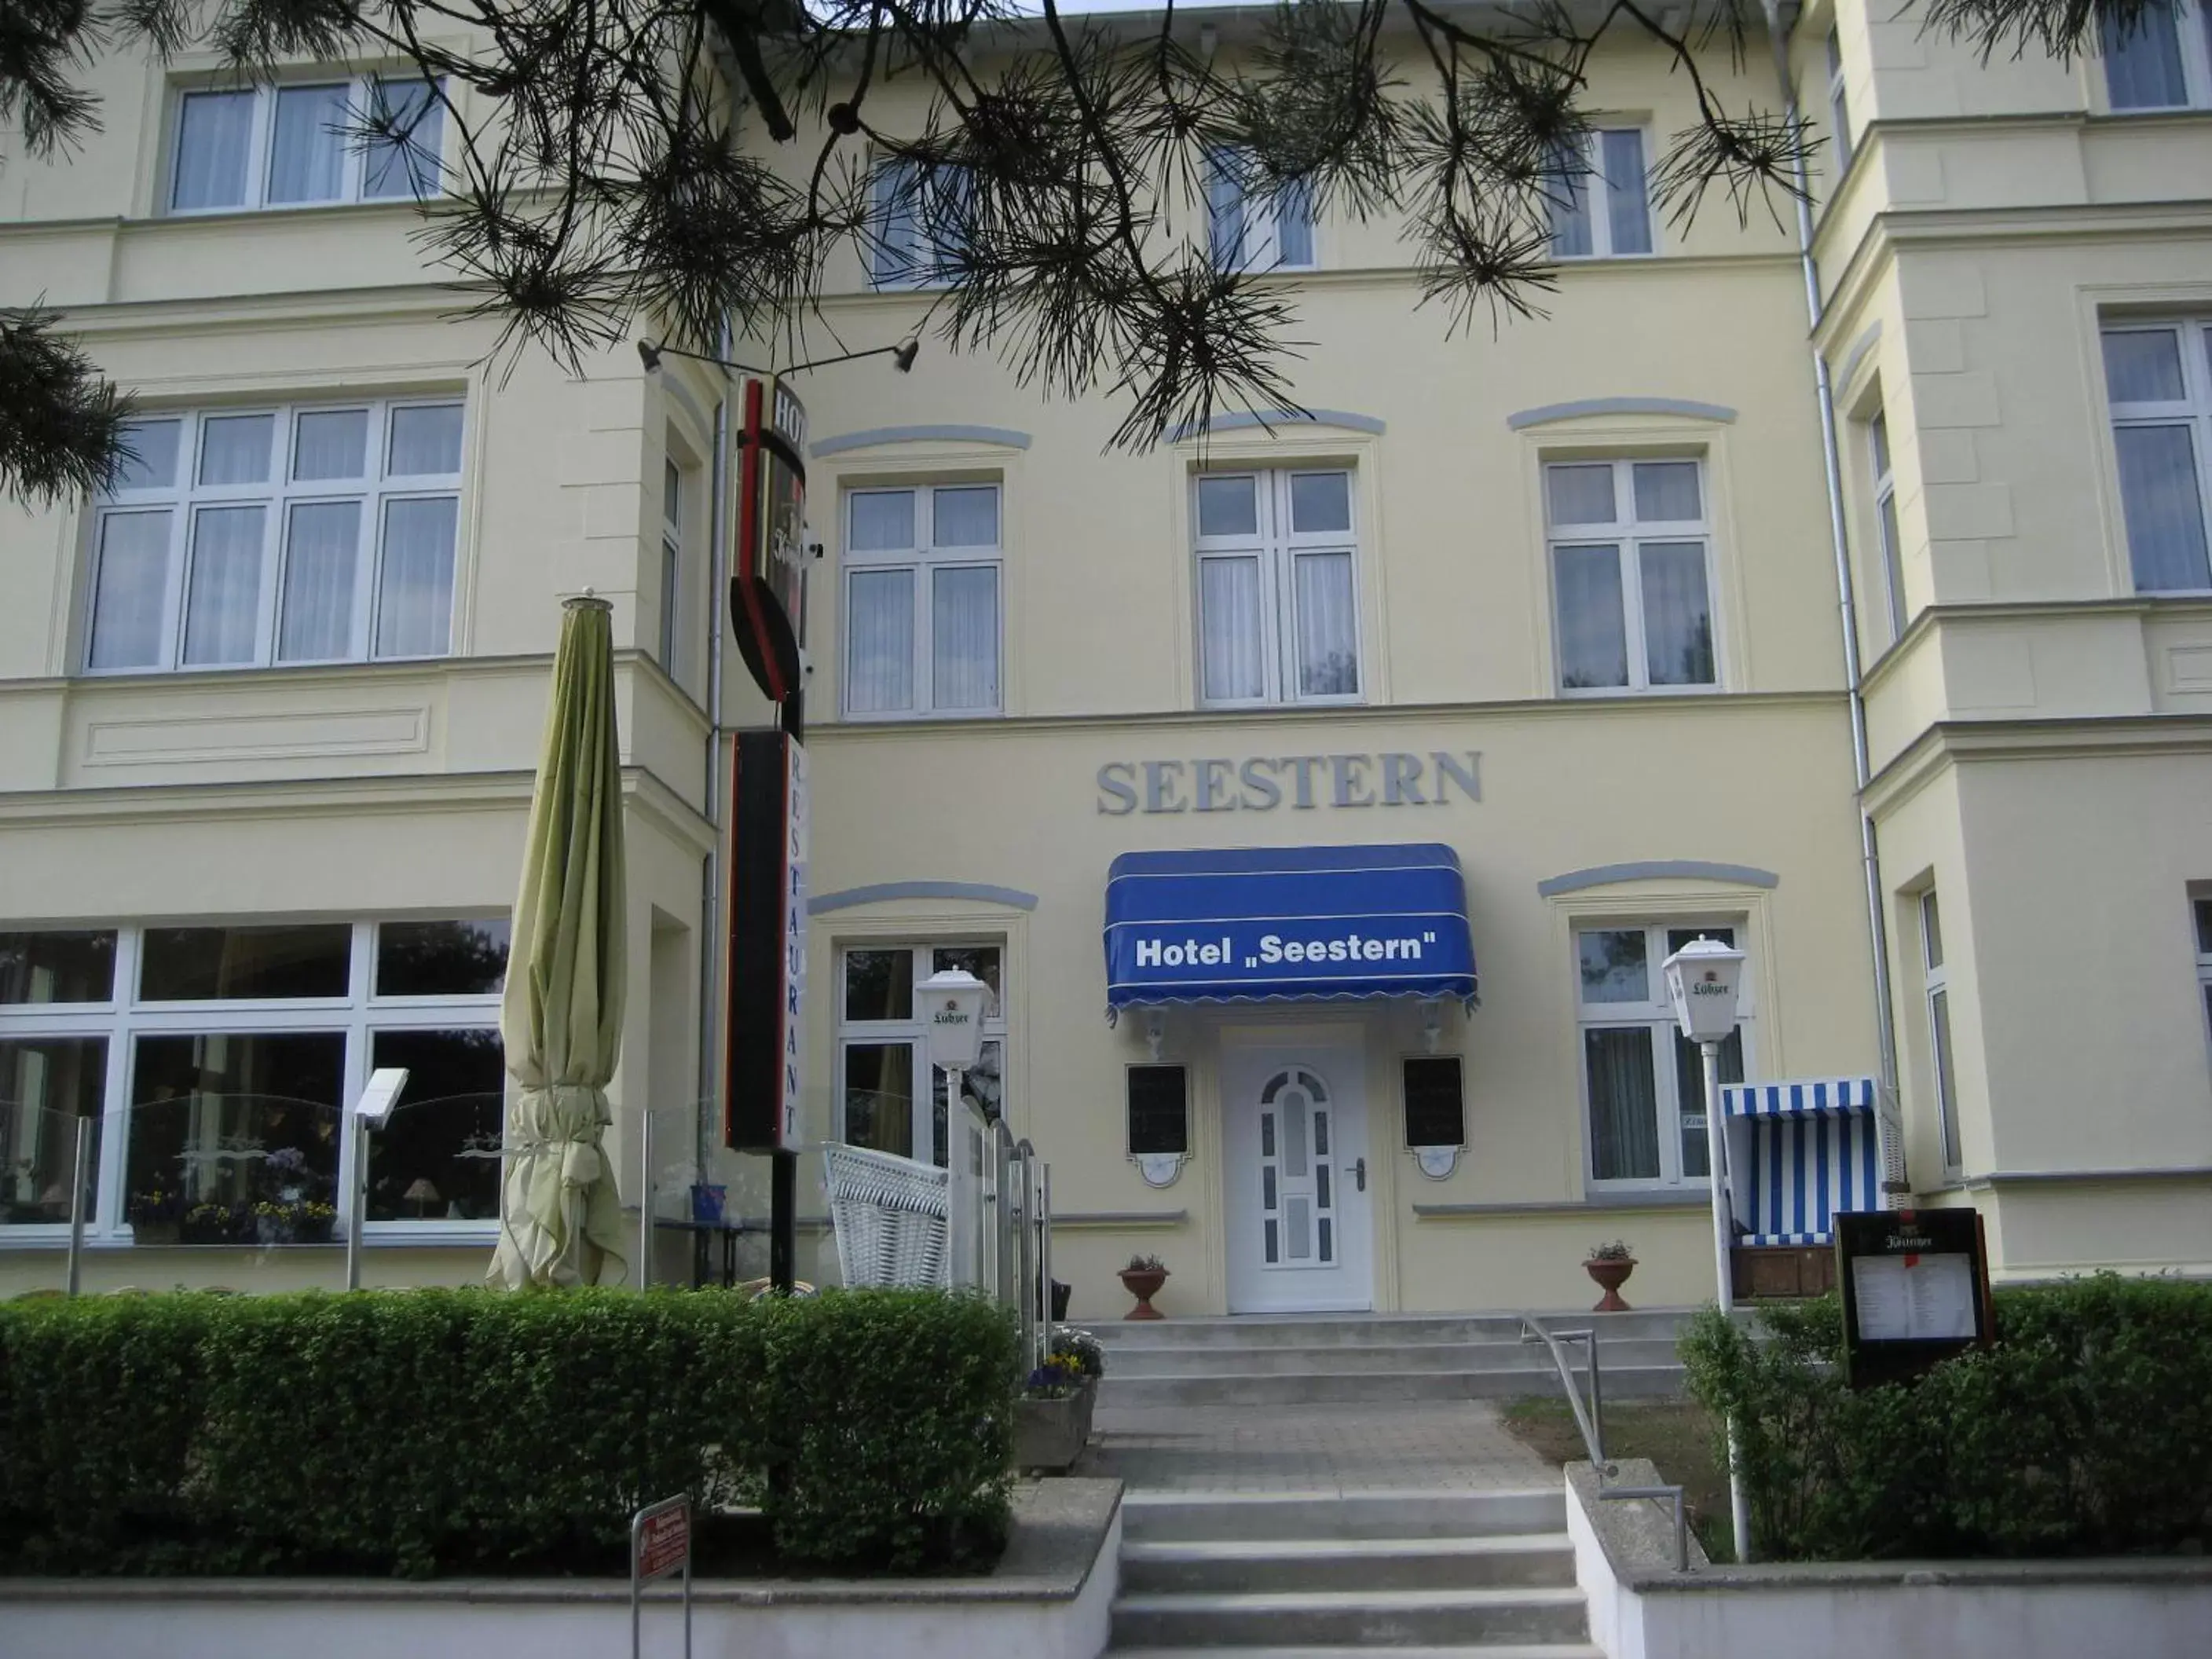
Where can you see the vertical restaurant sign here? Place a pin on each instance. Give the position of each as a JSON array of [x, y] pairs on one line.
[[764, 1070], [768, 577]]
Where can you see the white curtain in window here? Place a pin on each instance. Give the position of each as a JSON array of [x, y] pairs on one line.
[[234, 448], [1678, 622], [1593, 629], [410, 167], [879, 641], [426, 441], [1294, 216], [126, 606], [223, 597], [1228, 618], [963, 637], [415, 578], [1628, 213], [315, 622], [1567, 200], [1623, 1103], [2142, 61], [152, 463], [1224, 206], [308, 151], [1667, 492], [2141, 366], [1328, 635], [330, 443], [966, 517], [214, 136], [2164, 507], [1581, 494], [897, 250]]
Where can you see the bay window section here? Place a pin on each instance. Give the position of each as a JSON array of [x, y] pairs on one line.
[[217, 1061], [1631, 584], [2158, 378], [890, 1098], [1278, 599], [922, 601], [293, 535], [365, 138], [1643, 1081]]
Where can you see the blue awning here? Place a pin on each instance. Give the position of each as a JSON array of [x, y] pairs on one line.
[[1284, 924]]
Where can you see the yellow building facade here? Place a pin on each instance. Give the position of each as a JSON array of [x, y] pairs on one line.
[[1561, 601]]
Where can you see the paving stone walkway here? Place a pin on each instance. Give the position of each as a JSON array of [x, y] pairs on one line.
[[1453, 1444]]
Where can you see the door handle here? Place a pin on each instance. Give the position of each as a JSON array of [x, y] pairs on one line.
[[1359, 1173]]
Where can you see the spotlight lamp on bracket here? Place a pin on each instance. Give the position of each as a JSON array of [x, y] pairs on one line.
[[902, 355]]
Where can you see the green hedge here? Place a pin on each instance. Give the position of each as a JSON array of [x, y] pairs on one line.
[[427, 1430], [2087, 1428]]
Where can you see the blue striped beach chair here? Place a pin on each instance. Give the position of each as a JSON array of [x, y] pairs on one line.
[[1799, 1154]]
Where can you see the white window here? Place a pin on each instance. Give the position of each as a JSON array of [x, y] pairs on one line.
[[1885, 506], [1629, 555], [1937, 985], [2204, 908], [921, 600], [1277, 594], [2162, 58], [301, 533], [1251, 230], [2159, 377], [216, 1062], [882, 1048], [1643, 1089], [672, 562], [913, 224], [1839, 106], [305, 144], [1600, 200]]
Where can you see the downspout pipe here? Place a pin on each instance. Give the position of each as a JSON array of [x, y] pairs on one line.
[[1847, 608], [711, 929]]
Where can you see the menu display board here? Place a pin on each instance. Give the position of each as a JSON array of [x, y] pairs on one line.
[[1916, 1289]]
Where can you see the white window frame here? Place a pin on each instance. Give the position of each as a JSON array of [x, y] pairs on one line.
[[925, 559], [1839, 105], [913, 1030], [673, 482], [2193, 340], [1942, 1051], [2200, 909], [1628, 534], [1655, 1015], [361, 88], [1276, 547], [926, 268], [1592, 188], [2192, 21], [1260, 219], [1881, 461], [124, 1017], [277, 495]]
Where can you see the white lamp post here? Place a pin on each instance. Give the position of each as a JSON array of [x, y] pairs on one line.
[[1702, 978], [951, 1004]]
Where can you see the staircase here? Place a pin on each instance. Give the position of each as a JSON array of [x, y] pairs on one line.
[[1405, 1536], [1484, 1574], [1372, 1359]]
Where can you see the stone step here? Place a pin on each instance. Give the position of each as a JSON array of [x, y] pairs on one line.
[[1230, 1566], [1429, 1513], [1370, 1330], [1369, 1617], [1213, 1359], [1318, 1388], [1487, 1650]]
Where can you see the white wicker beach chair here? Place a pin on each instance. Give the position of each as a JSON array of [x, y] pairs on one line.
[[892, 1217]]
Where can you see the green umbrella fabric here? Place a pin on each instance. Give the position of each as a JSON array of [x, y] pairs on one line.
[[561, 1018]]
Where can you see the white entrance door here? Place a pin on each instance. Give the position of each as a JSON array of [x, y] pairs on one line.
[[1294, 1119]]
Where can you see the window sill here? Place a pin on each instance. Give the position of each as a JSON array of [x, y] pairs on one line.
[[1667, 1198], [378, 1235]]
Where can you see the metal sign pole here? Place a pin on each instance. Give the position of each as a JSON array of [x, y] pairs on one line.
[[645, 1198], [1716, 1166], [81, 1167]]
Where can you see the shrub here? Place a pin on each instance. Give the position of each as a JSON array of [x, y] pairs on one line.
[[2085, 1429], [414, 1432]]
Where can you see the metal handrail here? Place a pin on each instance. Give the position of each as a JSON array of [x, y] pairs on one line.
[[1591, 1423]]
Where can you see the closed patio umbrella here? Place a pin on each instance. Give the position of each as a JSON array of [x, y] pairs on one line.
[[562, 1017]]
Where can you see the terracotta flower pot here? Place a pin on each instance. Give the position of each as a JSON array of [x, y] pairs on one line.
[[1610, 1276], [1144, 1283]]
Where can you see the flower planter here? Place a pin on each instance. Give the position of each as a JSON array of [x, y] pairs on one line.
[[224, 1227], [1610, 1276], [1144, 1283], [1050, 1434], [155, 1232]]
